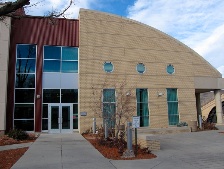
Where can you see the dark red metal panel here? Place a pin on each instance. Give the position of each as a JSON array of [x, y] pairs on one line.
[[40, 31], [45, 31]]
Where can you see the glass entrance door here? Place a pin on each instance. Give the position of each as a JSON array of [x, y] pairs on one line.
[[60, 118]]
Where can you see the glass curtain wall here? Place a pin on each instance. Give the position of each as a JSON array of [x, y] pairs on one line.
[[109, 107], [172, 102], [25, 87], [142, 106], [60, 62]]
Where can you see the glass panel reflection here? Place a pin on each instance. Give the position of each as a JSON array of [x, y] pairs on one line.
[[65, 117], [24, 95], [170, 69], [141, 68], [52, 52], [75, 122], [45, 111], [26, 125], [51, 96], [25, 65], [75, 108], [25, 80], [75, 116], [54, 117], [44, 124], [69, 53], [26, 51], [69, 95], [69, 67], [52, 65], [108, 67], [24, 111]]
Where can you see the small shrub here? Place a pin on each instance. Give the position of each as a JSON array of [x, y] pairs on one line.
[[18, 134], [145, 150], [181, 124], [209, 126]]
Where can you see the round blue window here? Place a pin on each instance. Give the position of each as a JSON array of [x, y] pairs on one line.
[[170, 69], [108, 67], [140, 68]]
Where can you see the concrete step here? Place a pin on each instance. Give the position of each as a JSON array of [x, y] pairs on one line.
[[148, 141], [169, 130], [146, 136]]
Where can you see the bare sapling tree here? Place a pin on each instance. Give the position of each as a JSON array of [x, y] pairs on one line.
[[113, 105], [9, 9]]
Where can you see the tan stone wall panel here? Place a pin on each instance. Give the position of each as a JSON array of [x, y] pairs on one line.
[[204, 70], [158, 109], [187, 108], [160, 121], [188, 118], [139, 55], [186, 95], [126, 41]]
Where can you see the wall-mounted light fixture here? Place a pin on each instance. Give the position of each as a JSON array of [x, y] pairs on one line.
[[38, 96], [128, 94], [159, 94], [83, 113]]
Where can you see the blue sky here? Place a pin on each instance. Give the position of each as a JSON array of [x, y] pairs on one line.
[[197, 23]]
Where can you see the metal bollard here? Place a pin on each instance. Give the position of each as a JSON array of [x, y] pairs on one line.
[[105, 130], [94, 125], [129, 136], [200, 121]]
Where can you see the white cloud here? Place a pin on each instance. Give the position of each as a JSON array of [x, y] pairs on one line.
[[212, 47], [221, 70], [198, 24], [44, 7]]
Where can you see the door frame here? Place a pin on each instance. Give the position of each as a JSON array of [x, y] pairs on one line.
[[60, 130]]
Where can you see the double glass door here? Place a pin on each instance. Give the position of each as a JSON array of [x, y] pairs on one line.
[[60, 118]]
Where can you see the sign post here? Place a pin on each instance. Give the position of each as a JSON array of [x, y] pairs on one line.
[[135, 125]]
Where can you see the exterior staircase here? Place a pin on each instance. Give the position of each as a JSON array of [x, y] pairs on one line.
[[208, 107]]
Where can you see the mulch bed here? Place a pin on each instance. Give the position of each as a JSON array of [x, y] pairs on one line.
[[113, 153], [9, 157], [5, 140]]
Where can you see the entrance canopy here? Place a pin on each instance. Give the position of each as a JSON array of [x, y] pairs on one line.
[[206, 84]]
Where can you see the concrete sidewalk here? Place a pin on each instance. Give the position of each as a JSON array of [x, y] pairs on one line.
[[15, 146], [62, 151], [198, 150]]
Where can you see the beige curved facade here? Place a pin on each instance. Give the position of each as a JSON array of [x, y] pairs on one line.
[[125, 43]]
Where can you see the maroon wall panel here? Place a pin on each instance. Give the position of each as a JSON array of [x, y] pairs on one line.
[[39, 31]]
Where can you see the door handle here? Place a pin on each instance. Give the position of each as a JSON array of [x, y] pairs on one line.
[[58, 120]]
